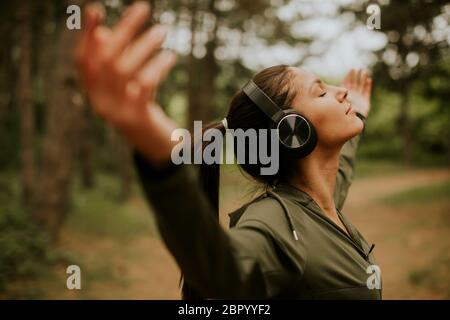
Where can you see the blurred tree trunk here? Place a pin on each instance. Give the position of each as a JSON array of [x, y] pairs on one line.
[[404, 121], [122, 154], [63, 117], [86, 152], [126, 171], [448, 149], [45, 46], [202, 72], [8, 72], [211, 68], [25, 101], [193, 74]]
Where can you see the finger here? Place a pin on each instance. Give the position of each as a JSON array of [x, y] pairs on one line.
[[367, 87], [358, 79], [90, 72], [93, 16], [351, 78], [363, 80], [100, 37], [127, 28], [146, 46], [345, 81], [155, 72], [133, 90]]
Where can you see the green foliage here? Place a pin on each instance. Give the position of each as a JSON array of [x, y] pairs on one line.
[[429, 121], [369, 167], [24, 250], [420, 194], [433, 274], [98, 211]]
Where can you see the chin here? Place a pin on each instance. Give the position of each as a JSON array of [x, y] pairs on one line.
[[354, 130], [357, 127]]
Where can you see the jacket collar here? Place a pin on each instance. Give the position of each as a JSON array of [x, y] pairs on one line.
[[299, 196], [293, 194]]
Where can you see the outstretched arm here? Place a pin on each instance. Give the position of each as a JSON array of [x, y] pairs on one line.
[[359, 87], [121, 71]]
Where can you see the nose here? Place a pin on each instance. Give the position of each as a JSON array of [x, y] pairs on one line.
[[342, 94]]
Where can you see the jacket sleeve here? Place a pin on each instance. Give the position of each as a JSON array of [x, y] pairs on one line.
[[218, 263], [345, 173]]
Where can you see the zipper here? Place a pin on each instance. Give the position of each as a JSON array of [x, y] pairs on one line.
[[330, 222], [335, 226], [350, 229]]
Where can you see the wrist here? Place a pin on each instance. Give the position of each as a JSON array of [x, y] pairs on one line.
[[151, 138]]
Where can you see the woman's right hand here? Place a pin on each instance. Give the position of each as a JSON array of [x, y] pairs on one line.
[[359, 86], [121, 72]]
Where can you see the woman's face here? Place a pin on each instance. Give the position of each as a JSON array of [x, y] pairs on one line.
[[326, 107]]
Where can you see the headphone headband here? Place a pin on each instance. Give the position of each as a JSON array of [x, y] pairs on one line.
[[263, 101]]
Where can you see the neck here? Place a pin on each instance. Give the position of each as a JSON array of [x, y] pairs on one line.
[[316, 175]]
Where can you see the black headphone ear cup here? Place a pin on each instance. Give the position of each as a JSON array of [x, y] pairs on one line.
[[296, 134]]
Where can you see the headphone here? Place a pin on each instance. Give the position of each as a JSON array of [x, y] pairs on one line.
[[297, 136]]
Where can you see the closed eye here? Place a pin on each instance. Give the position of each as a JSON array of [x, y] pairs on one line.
[[323, 94]]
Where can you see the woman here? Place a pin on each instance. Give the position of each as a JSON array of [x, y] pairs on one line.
[[292, 241]]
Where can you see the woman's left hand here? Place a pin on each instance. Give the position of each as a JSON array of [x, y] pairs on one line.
[[359, 85]]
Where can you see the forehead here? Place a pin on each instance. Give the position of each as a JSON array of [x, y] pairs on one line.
[[303, 79]]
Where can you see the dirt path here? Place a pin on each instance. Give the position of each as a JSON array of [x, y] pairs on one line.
[[364, 191], [412, 241], [143, 268]]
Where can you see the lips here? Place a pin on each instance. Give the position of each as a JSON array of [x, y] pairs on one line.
[[349, 109]]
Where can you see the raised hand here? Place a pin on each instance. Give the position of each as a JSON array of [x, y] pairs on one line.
[[121, 71], [359, 85]]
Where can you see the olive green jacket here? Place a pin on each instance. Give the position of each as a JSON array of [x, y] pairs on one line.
[[260, 256]]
